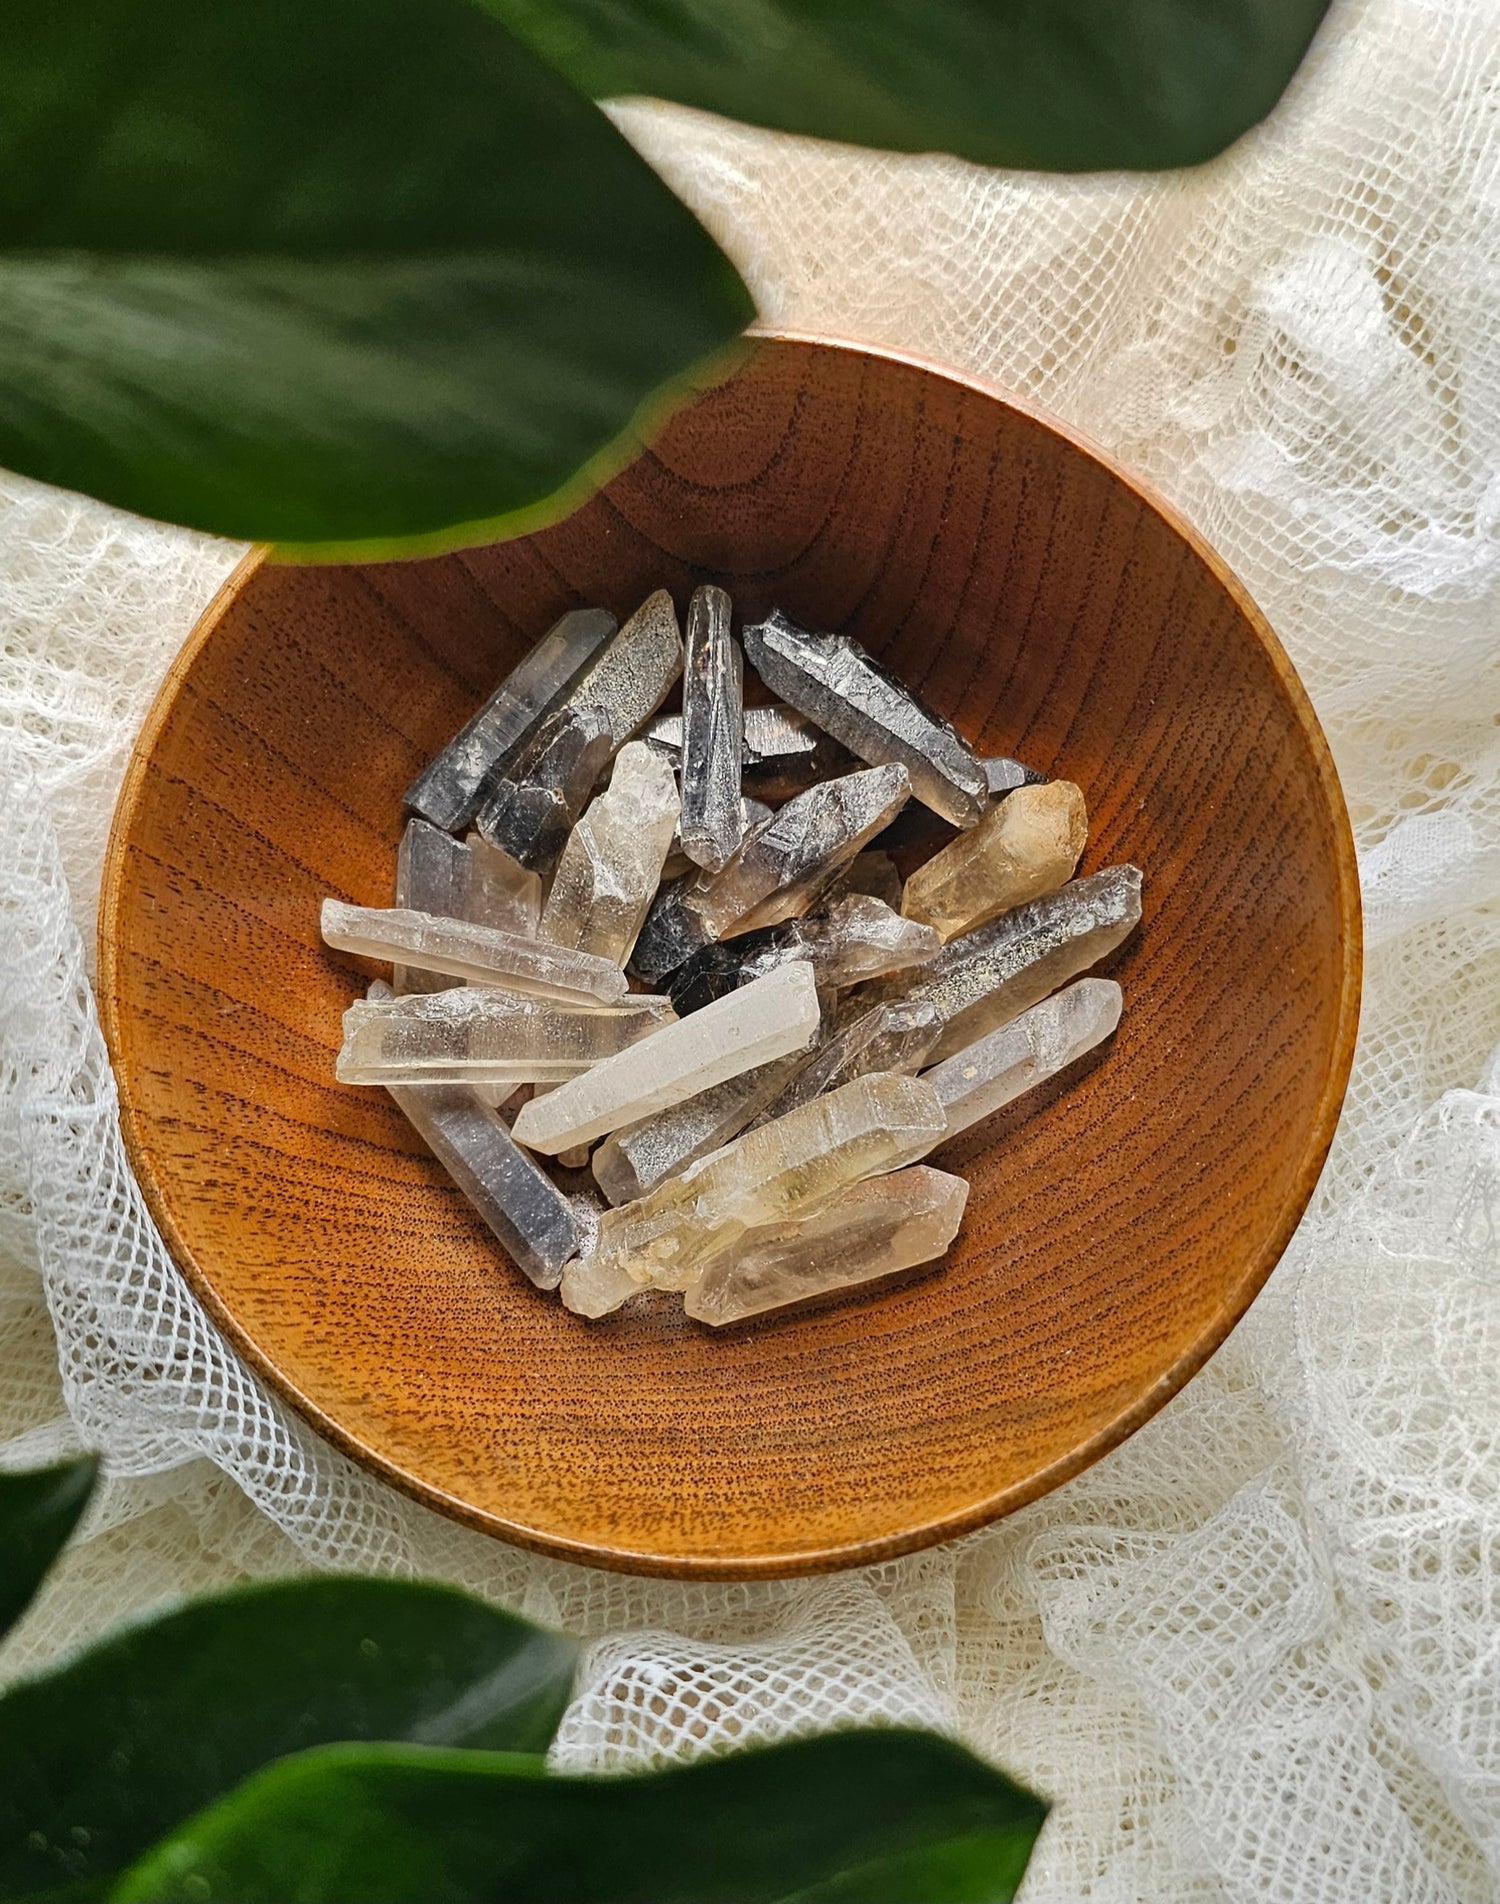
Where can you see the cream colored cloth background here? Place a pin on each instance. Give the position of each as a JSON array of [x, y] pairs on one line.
[[1254, 1655]]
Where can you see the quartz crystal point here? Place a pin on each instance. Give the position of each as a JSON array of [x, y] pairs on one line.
[[636, 1159], [481, 1035], [635, 673], [893, 1037], [484, 954], [1004, 775], [1024, 846], [446, 792], [786, 863], [713, 718], [529, 809], [461, 880], [992, 975], [515, 1197], [776, 1015], [832, 680], [781, 1171], [855, 938], [873, 1230], [1046, 1039], [611, 865]]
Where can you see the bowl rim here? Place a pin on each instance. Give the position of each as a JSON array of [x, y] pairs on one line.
[[926, 1533]]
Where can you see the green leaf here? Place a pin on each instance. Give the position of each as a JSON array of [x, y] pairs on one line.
[[359, 272], [38, 1511], [864, 1815], [101, 1757], [1059, 85]]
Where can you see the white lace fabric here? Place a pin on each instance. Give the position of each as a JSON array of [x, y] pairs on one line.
[[1255, 1654]]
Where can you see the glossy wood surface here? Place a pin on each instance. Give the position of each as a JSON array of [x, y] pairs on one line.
[[1120, 1220]]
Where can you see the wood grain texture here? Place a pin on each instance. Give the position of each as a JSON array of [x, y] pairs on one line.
[[1120, 1221]]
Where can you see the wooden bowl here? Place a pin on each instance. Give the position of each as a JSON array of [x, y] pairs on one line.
[[1120, 1221]]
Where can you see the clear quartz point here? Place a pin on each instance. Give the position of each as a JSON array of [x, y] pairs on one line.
[[1026, 845], [777, 1015], [893, 1037], [833, 681], [784, 865], [483, 954], [611, 865], [1001, 1066], [515, 1197], [446, 792], [993, 974], [713, 717], [636, 672], [872, 1230], [481, 1035], [782, 1171], [634, 1160], [855, 938], [530, 808]]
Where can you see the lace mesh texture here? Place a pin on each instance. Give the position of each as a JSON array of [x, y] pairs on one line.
[[1255, 1654]]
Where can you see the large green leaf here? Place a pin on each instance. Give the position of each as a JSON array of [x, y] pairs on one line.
[[854, 1815], [353, 271], [1063, 85], [38, 1511], [101, 1757]]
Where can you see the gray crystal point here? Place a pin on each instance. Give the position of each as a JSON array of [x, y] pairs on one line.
[[669, 935], [873, 1230], [1004, 1064], [446, 792], [1005, 776], [895, 1037], [990, 976], [712, 732], [515, 1197], [787, 862], [636, 1159], [854, 938], [529, 810], [832, 680], [635, 673]]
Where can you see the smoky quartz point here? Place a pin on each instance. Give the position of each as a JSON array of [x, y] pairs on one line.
[[873, 1230], [636, 672], [670, 934], [712, 732], [1024, 846], [834, 682], [989, 976], [447, 790], [857, 937], [514, 1196], [784, 866], [529, 810]]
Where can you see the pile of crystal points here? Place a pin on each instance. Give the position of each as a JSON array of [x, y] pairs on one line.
[[676, 950]]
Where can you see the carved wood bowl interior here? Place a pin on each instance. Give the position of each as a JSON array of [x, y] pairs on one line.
[[1120, 1220]]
